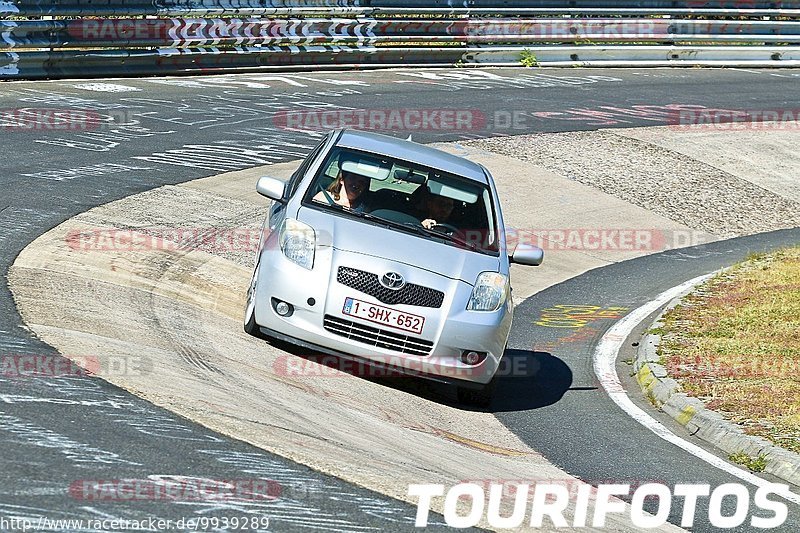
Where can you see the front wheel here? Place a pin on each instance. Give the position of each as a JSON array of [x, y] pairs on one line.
[[477, 397], [250, 326]]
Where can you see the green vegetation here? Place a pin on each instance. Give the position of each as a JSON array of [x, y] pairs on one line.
[[735, 344], [528, 59], [754, 464]]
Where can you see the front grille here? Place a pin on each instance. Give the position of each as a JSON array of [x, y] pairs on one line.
[[409, 294], [379, 338]]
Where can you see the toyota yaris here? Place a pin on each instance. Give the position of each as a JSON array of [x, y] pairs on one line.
[[392, 254]]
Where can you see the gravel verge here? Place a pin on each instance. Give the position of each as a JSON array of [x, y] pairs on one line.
[[670, 184]]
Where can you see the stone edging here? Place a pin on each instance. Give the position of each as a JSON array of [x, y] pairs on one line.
[[691, 413]]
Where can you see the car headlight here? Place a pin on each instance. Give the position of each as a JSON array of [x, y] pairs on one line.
[[490, 292], [298, 241]]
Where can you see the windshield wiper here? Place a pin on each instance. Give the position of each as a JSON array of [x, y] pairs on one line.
[[408, 226], [418, 229]]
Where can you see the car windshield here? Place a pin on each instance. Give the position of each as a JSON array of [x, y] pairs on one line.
[[406, 197]]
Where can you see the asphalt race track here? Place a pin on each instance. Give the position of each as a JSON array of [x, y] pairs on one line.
[[594, 442], [164, 131]]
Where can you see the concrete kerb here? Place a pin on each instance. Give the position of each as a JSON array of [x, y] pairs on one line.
[[691, 413]]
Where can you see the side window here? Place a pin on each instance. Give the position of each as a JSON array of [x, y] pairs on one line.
[[277, 208], [297, 177]]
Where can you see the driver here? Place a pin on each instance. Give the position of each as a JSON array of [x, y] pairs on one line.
[[436, 210]]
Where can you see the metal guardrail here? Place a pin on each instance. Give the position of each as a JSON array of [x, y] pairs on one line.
[[354, 9], [256, 7], [188, 33], [95, 38]]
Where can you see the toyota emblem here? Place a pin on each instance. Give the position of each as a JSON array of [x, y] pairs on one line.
[[392, 280]]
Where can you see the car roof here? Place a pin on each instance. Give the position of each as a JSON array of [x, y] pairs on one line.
[[412, 152]]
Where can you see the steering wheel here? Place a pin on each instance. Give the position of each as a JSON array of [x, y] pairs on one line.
[[446, 227]]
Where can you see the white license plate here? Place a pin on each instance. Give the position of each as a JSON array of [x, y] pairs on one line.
[[383, 315]]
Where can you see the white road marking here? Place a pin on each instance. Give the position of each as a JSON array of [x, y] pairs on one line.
[[750, 71], [106, 87], [605, 356]]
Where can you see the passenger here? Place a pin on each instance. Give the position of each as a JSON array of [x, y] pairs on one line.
[[354, 186]]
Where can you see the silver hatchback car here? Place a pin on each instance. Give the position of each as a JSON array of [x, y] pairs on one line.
[[390, 254]]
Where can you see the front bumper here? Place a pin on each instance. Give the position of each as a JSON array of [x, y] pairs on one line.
[[383, 370], [451, 329]]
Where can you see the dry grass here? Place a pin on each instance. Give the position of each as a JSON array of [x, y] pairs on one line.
[[735, 344]]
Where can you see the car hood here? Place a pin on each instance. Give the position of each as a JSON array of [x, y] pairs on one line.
[[366, 238]]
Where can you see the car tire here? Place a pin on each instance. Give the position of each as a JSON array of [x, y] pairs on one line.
[[477, 397], [251, 328], [250, 325]]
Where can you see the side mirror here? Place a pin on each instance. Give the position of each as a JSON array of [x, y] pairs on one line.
[[529, 255], [272, 188]]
